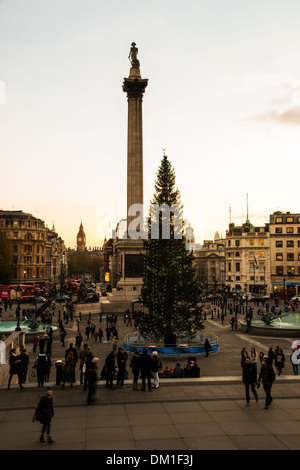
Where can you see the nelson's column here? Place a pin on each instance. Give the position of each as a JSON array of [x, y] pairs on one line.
[[127, 265]]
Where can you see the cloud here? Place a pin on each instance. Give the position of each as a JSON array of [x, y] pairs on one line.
[[290, 116], [279, 100]]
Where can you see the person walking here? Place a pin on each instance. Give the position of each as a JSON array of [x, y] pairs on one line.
[[44, 414], [75, 355], [69, 369], [156, 366], [295, 359], [92, 379], [121, 361], [135, 365], [146, 370], [15, 368], [207, 347], [111, 369], [41, 368], [35, 343], [82, 355], [271, 355], [244, 354], [279, 360], [267, 375], [253, 358], [24, 365], [249, 379]]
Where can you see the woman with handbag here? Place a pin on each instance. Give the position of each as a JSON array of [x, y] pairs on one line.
[[44, 414], [69, 369]]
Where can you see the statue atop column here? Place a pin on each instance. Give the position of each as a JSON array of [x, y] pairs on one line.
[[133, 56]]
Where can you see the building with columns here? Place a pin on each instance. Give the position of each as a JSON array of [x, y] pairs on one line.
[[37, 253], [247, 252]]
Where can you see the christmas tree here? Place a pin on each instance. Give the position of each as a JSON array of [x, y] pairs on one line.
[[170, 294]]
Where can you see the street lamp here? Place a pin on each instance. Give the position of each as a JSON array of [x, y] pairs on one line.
[[284, 280], [19, 295]]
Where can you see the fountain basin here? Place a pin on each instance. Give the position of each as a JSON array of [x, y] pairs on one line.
[[189, 348], [8, 327], [286, 325]]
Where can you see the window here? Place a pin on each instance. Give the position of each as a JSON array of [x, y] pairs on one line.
[[237, 242], [229, 266], [279, 256], [237, 267], [261, 242], [229, 242], [290, 230], [279, 270], [278, 230], [290, 220], [251, 242], [237, 254], [290, 244], [15, 235], [298, 220], [278, 220], [290, 270], [279, 244], [261, 253], [290, 257], [15, 248]]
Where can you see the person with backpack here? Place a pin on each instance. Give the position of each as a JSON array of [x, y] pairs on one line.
[[267, 375]]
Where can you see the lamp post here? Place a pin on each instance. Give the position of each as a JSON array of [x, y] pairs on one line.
[[246, 285], [284, 280], [19, 295]]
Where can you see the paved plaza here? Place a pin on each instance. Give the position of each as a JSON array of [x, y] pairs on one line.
[[208, 413]]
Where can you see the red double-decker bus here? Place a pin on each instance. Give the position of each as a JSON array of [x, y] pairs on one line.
[[9, 292]]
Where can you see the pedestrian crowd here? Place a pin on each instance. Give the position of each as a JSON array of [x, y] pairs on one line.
[[271, 365]]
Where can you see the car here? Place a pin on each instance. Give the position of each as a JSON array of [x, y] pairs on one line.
[[40, 299], [62, 298], [296, 298], [249, 297]]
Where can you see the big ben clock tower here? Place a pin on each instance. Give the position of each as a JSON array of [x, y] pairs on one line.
[[81, 239]]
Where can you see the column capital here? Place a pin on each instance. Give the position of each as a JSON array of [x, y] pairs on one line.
[[135, 87]]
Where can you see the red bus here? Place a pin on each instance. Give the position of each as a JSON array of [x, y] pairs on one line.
[[9, 292]]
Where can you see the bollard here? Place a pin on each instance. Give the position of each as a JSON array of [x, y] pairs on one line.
[[59, 372]]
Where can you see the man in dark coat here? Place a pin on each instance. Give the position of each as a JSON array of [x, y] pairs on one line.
[[249, 379], [15, 367], [24, 364], [145, 363], [267, 375], [111, 368], [44, 413], [121, 360]]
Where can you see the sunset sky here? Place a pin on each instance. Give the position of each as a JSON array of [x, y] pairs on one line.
[[223, 98]]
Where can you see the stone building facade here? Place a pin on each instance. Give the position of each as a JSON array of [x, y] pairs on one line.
[[37, 253], [247, 252], [284, 230]]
